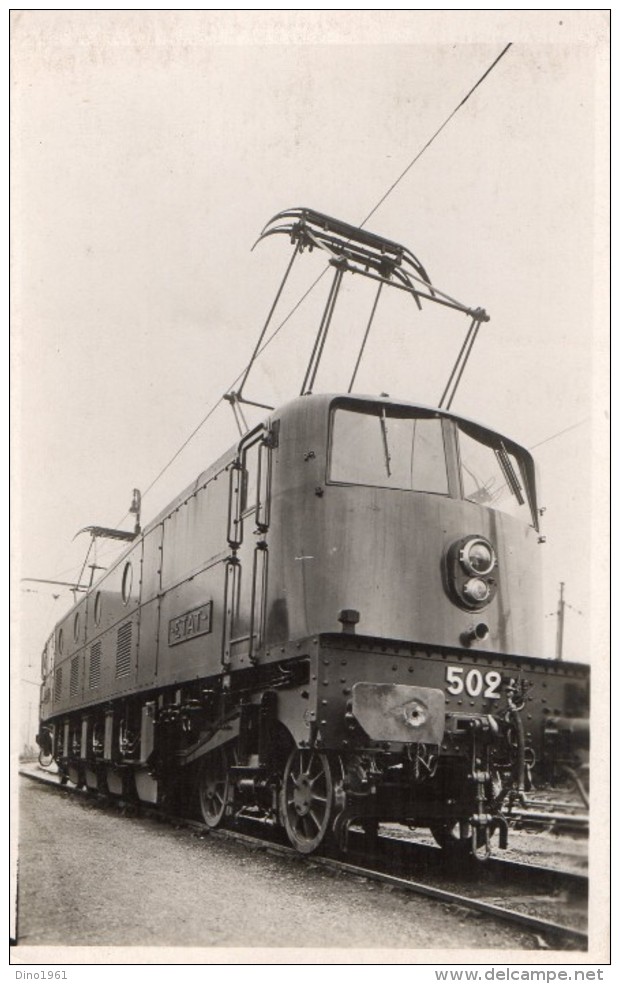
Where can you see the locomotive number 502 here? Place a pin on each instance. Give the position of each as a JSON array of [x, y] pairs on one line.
[[473, 682]]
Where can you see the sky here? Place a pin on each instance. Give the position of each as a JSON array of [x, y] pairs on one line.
[[149, 150]]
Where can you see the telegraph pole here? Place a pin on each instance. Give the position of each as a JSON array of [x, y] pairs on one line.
[[559, 639]]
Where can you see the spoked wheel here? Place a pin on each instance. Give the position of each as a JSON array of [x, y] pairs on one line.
[[307, 798], [214, 787]]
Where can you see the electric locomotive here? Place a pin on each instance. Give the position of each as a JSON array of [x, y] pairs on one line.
[[337, 623]]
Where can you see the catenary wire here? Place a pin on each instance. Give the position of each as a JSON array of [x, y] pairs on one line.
[[436, 134], [389, 191], [559, 433], [313, 285]]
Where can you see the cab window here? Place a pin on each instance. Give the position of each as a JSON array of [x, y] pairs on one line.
[[492, 476], [388, 447]]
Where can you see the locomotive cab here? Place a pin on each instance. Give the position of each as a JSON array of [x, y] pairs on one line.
[[406, 553], [423, 523]]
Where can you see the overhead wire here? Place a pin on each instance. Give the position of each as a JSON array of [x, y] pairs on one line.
[[435, 135], [559, 433], [243, 373], [230, 387]]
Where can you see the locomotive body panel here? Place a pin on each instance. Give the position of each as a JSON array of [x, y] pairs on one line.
[[381, 551], [127, 619], [191, 628], [329, 547]]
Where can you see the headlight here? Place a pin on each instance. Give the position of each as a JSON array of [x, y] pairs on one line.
[[477, 556], [471, 572], [476, 590]]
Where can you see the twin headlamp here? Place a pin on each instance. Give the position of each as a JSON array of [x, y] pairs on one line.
[[471, 566]]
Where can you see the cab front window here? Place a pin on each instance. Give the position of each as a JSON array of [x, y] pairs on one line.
[[388, 447], [492, 475]]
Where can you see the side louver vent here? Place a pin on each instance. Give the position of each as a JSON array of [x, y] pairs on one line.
[[94, 672], [123, 650], [58, 683], [73, 679]]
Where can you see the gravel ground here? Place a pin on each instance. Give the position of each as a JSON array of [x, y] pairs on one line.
[[89, 876]]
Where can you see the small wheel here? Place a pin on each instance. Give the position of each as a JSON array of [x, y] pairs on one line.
[[307, 798], [453, 837], [214, 787]]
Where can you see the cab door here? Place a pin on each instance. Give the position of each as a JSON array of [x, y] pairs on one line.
[[247, 569]]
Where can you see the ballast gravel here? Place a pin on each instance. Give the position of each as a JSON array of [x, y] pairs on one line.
[[89, 876]]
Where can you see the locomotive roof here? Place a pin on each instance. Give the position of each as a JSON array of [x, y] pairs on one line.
[[320, 401]]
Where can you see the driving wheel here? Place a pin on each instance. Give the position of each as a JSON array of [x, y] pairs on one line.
[[214, 787], [307, 799]]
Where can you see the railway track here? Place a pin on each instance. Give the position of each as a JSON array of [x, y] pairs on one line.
[[550, 820], [511, 891]]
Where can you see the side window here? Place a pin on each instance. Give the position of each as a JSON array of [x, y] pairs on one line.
[[257, 483], [45, 662], [250, 478]]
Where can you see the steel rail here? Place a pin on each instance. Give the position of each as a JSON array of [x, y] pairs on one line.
[[453, 898], [448, 897]]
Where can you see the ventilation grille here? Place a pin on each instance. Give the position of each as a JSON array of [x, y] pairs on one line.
[[73, 679], [123, 650], [94, 672], [58, 683]]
